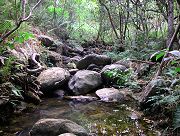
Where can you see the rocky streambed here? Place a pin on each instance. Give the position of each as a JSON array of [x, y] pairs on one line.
[[97, 118], [86, 94]]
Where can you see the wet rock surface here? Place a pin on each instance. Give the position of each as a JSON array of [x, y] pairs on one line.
[[67, 134], [55, 127], [110, 95]]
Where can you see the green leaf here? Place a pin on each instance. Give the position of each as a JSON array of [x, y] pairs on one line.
[[66, 14], [11, 46], [177, 69], [50, 9], [176, 120], [16, 92], [174, 62], [58, 10], [159, 55]]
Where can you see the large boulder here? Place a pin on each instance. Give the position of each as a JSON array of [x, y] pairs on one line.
[[100, 60], [84, 81], [53, 45], [55, 127], [110, 95], [53, 78], [54, 59], [142, 69], [46, 40]]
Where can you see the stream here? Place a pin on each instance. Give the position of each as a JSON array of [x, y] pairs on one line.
[[99, 118]]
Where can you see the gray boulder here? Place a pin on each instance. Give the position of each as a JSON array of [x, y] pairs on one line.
[[46, 40], [84, 81], [53, 78], [113, 67], [75, 59], [55, 127], [142, 69], [110, 95], [100, 60], [54, 58]]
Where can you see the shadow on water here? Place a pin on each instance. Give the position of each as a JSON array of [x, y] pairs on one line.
[[101, 119]]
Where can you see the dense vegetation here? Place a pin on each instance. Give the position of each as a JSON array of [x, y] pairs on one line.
[[142, 31]]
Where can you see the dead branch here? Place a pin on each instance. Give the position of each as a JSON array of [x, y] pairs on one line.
[[23, 19]]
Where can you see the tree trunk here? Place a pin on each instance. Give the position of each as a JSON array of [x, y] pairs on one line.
[[170, 21]]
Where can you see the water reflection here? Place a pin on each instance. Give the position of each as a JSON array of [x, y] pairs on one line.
[[102, 119]]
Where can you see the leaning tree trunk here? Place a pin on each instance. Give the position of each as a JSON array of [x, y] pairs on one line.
[[170, 21], [147, 89]]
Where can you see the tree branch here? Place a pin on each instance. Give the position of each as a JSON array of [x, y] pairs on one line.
[[23, 18], [110, 18]]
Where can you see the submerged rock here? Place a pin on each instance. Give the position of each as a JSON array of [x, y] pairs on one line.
[[84, 81], [100, 60], [81, 98], [55, 127], [67, 134], [110, 95], [53, 78]]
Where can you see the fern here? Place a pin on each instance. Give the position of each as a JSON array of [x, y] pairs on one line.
[[176, 120]]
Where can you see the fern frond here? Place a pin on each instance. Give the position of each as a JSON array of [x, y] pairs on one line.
[[176, 120]]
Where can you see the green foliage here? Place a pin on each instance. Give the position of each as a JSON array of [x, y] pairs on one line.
[[16, 92], [23, 36], [176, 120], [160, 55], [121, 78], [162, 100], [127, 54], [5, 71], [6, 25], [177, 70], [167, 102]]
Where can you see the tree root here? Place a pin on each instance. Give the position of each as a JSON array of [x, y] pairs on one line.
[[34, 59]]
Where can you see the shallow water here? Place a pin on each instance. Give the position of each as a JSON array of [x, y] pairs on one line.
[[99, 118]]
